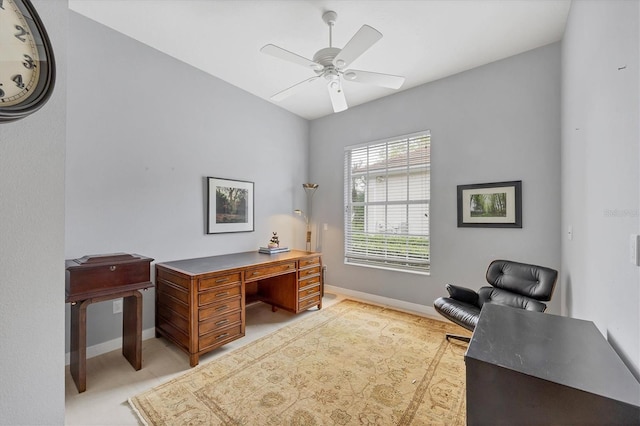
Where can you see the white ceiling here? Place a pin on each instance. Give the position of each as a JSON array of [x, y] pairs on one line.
[[423, 40]]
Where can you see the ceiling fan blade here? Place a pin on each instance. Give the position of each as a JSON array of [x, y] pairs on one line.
[[365, 38], [338, 100], [289, 91], [384, 80], [281, 53]]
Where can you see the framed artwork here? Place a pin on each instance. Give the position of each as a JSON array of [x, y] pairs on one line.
[[229, 206], [490, 205]]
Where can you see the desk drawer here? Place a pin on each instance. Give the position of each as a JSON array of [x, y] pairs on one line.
[[218, 309], [315, 271], [169, 328], [206, 283], [309, 302], [174, 278], [171, 316], [219, 323], [305, 282], [311, 261], [164, 287], [308, 291], [219, 294], [219, 337], [269, 271], [173, 304]]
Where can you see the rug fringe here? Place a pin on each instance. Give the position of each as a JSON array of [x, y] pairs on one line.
[[138, 413]]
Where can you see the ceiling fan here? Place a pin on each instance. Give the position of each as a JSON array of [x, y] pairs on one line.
[[331, 62]]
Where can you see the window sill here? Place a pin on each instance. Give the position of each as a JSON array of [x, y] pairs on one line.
[[388, 268]]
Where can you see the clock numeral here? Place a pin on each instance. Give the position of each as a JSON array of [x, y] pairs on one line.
[[1, 91], [29, 63], [21, 34], [17, 79]]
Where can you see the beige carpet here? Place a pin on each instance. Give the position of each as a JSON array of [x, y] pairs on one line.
[[349, 364]]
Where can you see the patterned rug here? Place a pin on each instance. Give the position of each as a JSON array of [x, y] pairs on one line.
[[348, 364]]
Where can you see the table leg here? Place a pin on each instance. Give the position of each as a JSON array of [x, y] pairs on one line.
[[78, 355], [132, 329], [194, 359]]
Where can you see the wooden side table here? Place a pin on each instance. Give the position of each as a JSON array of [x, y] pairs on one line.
[[99, 278]]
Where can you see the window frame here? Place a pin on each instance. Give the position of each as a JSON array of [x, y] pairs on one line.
[[417, 258]]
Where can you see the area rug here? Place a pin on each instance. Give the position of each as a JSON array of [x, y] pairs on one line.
[[348, 364]]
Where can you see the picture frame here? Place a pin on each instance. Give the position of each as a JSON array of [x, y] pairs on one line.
[[230, 205], [490, 205]]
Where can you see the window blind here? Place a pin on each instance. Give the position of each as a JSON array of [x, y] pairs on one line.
[[386, 193]]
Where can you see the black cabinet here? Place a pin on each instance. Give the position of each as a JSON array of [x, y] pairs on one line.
[[532, 368]]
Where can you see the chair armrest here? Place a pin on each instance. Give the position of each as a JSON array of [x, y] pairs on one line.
[[463, 294]]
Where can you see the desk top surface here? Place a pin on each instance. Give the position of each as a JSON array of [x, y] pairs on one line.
[[559, 349], [204, 265]]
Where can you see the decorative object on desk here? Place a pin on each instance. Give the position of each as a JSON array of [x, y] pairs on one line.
[[490, 205], [274, 242], [229, 206], [309, 189], [412, 375]]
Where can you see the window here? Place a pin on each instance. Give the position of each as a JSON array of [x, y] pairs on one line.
[[386, 192]]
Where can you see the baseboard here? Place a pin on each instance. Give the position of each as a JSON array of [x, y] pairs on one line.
[[401, 305], [111, 345]]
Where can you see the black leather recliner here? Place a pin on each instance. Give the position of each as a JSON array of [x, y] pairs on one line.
[[515, 284]]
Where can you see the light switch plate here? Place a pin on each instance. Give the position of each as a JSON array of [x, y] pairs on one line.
[[117, 306], [634, 243]]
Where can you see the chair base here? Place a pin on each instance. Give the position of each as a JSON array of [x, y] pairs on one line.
[[457, 337]]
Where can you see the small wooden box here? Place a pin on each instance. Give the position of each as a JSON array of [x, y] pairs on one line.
[[98, 275]]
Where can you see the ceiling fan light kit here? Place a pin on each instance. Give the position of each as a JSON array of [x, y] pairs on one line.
[[330, 63]]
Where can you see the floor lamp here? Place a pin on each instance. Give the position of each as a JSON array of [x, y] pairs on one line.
[[309, 189]]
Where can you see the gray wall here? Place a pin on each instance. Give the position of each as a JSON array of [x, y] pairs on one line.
[[499, 122], [32, 250], [600, 169], [144, 132]]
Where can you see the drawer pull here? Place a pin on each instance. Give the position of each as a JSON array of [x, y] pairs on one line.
[[256, 273], [112, 268], [222, 336], [224, 321], [222, 280], [221, 308], [224, 293]]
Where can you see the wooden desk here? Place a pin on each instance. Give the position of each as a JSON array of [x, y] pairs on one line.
[[92, 279], [532, 368], [200, 303]]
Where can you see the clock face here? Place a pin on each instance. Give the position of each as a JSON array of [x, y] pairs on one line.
[[26, 61]]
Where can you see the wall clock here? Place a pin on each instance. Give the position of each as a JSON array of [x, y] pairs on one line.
[[27, 65]]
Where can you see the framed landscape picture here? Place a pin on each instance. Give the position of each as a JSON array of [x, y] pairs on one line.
[[229, 206], [490, 205]]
